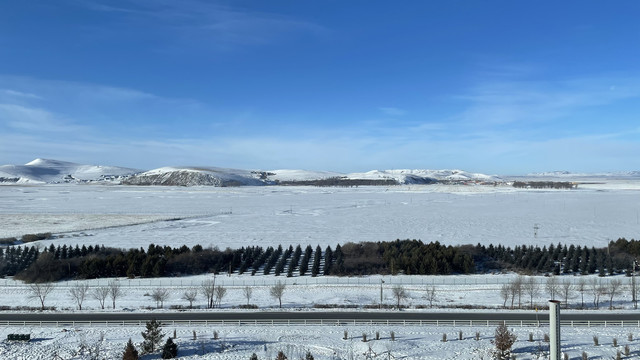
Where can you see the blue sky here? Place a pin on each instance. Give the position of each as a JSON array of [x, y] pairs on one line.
[[500, 87]]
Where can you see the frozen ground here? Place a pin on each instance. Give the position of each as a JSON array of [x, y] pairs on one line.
[[281, 215], [239, 342], [232, 217], [302, 293]]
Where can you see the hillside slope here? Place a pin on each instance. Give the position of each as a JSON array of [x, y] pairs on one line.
[[192, 176], [41, 171]]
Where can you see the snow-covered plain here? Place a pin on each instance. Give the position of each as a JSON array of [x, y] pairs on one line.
[[232, 217], [239, 342]]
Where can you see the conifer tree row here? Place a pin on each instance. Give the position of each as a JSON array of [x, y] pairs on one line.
[[409, 257]]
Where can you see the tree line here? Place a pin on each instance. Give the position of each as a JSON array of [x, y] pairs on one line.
[[617, 257], [545, 185], [410, 257]]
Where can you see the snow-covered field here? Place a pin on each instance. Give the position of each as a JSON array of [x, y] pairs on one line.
[[232, 217], [324, 343], [239, 342], [127, 216]]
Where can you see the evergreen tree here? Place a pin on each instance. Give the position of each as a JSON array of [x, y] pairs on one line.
[[170, 350], [503, 341], [130, 352], [295, 259], [338, 267], [253, 357], [152, 336], [328, 258], [315, 269]]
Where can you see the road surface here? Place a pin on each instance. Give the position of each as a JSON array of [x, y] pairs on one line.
[[326, 316]]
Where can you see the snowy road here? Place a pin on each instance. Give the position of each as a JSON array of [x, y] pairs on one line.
[[315, 316]]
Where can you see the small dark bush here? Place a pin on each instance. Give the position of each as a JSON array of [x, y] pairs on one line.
[[35, 237]]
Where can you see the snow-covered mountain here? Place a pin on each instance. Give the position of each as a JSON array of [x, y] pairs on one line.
[[394, 176], [420, 176], [193, 176], [41, 171]]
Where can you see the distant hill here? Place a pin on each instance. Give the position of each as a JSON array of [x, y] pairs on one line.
[[192, 176], [45, 171]]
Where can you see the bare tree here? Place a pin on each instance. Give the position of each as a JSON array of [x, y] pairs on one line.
[[532, 288], [79, 292], [219, 294], [115, 291], [399, 293], [40, 291], [517, 284], [597, 289], [160, 295], [515, 289], [581, 287], [208, 289], [566, 290], [100, 294], [505, 291], [248, 291], [190, 295], [613, 289], [277, 290], [552, 286], [431, 295]]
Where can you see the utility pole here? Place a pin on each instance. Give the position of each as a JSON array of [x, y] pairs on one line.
[[634, 285], [381, 282]]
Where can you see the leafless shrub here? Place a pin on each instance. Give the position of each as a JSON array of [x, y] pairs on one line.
[[160, 295], [190, 295]]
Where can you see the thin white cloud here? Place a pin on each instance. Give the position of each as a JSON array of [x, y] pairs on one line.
[[55, 128], [32, 119], [20, 94], [525, 102], [195, 21]]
